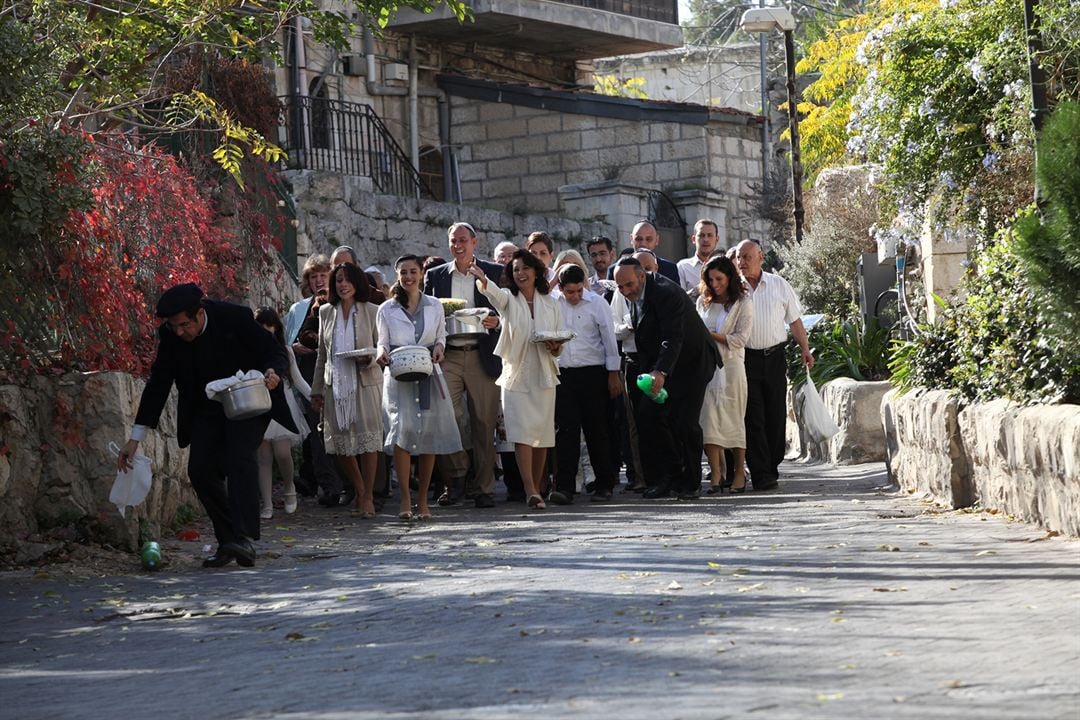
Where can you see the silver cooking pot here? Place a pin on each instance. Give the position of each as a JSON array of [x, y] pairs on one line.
[[467, 324], [246, 399]]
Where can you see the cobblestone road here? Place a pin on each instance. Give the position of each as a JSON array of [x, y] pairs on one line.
[[830, 599]]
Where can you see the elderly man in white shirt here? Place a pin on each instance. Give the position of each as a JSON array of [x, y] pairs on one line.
[[776, 308], [589, 379], [705, 238]]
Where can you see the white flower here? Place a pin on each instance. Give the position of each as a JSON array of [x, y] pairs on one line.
[[976, 69], [990, 160]]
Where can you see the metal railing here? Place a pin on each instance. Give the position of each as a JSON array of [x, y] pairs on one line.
[[349, 138], [666, 11]]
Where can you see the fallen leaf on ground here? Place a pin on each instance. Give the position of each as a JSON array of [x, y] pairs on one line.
[[673, 585], [822, 697]]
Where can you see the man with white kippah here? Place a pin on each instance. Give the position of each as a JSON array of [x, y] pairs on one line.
[[776, 308]]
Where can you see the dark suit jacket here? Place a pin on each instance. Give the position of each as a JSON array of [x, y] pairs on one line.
[[671, 337], [664, 267], [438, 283], [232, 341]]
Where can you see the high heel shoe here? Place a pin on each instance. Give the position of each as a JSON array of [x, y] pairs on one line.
[[406, 516], [738, 490], [536, 502]]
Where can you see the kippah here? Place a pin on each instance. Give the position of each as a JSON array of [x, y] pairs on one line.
[[179, 298]]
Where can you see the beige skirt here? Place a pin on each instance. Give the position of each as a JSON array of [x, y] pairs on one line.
[[363, 436]]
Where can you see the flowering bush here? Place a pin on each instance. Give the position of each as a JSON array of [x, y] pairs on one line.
[[84, 287]]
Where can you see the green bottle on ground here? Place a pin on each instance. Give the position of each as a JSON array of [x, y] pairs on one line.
[[151, 555], [644, 383]]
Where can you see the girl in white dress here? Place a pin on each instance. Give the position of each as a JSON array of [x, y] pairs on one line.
[[728, 315], [278, 442], [529, 371], [421, 414]]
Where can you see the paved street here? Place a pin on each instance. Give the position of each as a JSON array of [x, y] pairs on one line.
[[830, 599]]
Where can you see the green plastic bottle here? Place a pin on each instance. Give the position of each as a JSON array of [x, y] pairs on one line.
[[151, 555], [644, 383]]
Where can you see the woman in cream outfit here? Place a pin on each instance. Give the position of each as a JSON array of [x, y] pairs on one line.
[[529, 372], [348, 392], [421, 414], [728, 315]]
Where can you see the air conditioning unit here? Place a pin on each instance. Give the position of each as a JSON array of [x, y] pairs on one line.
[[396, 72], [353, 65]]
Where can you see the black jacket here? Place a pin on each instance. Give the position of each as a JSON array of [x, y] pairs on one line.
[[232, 342], [438, 283], [671, 337]]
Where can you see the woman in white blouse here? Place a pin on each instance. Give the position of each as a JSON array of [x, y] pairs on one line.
[[728, 315], [421, 414], [529, 370]]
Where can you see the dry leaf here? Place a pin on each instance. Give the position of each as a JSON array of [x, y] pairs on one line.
[[674, 585]]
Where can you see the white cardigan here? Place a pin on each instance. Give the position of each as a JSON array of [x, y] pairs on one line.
[[396, 329], [514, 339]]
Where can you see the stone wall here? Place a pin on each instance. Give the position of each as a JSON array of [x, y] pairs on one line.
[[56, 470], [855, 407], [516, 158], [342, 210], [1024, 461]]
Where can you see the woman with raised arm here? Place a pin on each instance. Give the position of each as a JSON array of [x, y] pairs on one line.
[[529, 370]]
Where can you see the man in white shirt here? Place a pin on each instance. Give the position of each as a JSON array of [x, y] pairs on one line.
[[776, 308], [588, 380], [705, 239], [601, 252]]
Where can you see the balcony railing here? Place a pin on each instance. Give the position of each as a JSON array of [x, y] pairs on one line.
[[349, 138], [666, 11]]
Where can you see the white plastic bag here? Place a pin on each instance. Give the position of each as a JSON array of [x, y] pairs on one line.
[[816, 418], [131, 487]]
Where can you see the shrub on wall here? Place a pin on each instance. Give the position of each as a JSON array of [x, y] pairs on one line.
[[85, 282]]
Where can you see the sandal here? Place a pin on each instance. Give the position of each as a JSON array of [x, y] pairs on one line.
[[406, 516], [537, 502], [422, 516]]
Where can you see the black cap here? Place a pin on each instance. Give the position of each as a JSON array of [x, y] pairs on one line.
[[178, 299]]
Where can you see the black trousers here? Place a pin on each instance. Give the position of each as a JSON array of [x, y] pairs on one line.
[[582, 403], [766, 414], [224, 473], [318, 468], [515, 488], [671, 438]]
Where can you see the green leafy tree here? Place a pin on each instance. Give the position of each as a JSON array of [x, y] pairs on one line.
[[99, 64]]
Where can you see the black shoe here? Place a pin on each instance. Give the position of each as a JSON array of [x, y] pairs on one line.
[[243, 551], [763, 486], [221, 558], [560, 498], [688, 495], [590, 487], [600, 496], [347, 496], [330, 499], [713, 489], [655, 493], [446, 499], [484, 501], [637, 487]]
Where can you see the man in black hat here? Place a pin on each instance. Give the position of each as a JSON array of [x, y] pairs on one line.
[[201, 341]]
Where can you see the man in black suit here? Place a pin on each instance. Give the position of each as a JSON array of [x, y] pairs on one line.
[[674, 347], [201, 341], [645, 237], [470, 365]]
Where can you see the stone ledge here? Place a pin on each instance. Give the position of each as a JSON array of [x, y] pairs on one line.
[[855, 407], [1023, 461]]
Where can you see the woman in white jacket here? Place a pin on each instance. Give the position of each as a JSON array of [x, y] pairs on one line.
[[421, 414], [278, 442], [728, 314], [529, 369]]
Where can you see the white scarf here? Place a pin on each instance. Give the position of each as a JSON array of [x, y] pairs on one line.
[[344, 369]]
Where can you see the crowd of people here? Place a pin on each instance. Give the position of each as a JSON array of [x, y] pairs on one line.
[[655, 364]]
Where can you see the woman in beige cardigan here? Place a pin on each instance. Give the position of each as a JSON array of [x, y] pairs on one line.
[[348, 391], [529, 370], [728, 315]]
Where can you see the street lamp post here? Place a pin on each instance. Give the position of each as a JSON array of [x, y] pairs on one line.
[[770, 19]]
